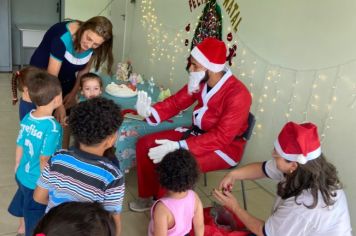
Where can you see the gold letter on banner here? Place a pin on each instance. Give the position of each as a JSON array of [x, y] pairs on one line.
[[232, 8], [226, 2], [229, 7]]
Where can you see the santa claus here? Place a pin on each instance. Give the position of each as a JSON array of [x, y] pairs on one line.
[[219, 119]]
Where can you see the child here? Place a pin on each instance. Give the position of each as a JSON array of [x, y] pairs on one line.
[[19, 81], [91, 86], [84, 174], [77, 218], [39, 137], [310, 199], [174, 213]]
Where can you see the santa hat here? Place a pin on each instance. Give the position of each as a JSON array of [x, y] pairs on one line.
[[210, 53], [299, 143]]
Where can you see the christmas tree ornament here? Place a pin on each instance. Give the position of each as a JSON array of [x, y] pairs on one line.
[[229, 37], [186, 42], [187, 28], [232, 53]]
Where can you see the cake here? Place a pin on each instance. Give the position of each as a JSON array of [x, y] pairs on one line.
[[120, 90]]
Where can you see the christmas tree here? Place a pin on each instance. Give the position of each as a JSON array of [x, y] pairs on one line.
[[210, 23]]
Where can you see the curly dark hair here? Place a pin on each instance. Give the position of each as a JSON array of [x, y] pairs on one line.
[[77, 218], [316, 175], [94, 120], [178, 171]]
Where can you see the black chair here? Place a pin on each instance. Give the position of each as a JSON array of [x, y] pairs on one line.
[[246, 136]]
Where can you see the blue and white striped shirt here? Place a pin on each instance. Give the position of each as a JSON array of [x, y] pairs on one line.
[[83, 177]]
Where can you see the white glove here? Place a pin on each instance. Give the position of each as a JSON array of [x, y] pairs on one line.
[[143, 104], [156, 154]]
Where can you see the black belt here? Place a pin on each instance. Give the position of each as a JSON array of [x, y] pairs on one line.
[[195, 130]]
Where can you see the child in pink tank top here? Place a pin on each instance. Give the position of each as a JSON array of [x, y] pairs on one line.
[[181, 207]]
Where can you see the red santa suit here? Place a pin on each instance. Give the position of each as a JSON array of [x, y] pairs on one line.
[[221, 113]]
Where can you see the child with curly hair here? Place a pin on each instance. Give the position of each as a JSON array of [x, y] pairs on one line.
[[173, 214], [85, 174]]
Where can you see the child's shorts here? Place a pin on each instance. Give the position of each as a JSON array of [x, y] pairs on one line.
[[23, 205]]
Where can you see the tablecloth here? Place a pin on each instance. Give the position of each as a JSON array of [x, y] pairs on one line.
[[131, 129]]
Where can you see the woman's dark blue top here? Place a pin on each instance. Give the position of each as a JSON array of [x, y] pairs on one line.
[[58, 44]]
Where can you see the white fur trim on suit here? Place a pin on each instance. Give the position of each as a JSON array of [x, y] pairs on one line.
[[204, 61], [184, 144], [297, 157], [155, 115], [199, 113], [226, 158]]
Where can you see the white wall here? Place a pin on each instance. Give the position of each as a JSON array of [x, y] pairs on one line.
[[27, 13], [282, 48], [85, 9]]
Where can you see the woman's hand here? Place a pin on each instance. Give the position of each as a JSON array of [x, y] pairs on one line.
[[60, 115], [227, 182], [226, 199], [70, 100]]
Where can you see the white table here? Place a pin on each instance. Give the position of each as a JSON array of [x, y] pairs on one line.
[[30, 37]]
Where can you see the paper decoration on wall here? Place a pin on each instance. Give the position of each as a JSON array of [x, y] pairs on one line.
[[229, 37], [187, 28], [232, 8], [210, 23], [232, 53], [196, 3]]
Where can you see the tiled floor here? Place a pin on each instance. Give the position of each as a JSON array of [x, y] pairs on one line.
[[259, 202]]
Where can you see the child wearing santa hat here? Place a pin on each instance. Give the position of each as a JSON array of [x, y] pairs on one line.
[[310, 199]]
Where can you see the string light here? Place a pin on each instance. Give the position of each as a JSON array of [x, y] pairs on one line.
[[292, 96], [166, 44], [265, 86], [332, 100]]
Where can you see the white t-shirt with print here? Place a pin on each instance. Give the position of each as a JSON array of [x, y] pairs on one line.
[[290, 219]]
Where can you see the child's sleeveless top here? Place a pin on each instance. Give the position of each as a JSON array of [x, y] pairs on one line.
[[182, 211]]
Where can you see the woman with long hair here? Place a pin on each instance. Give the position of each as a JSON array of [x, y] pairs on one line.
[[310, 199], [68, 50]]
